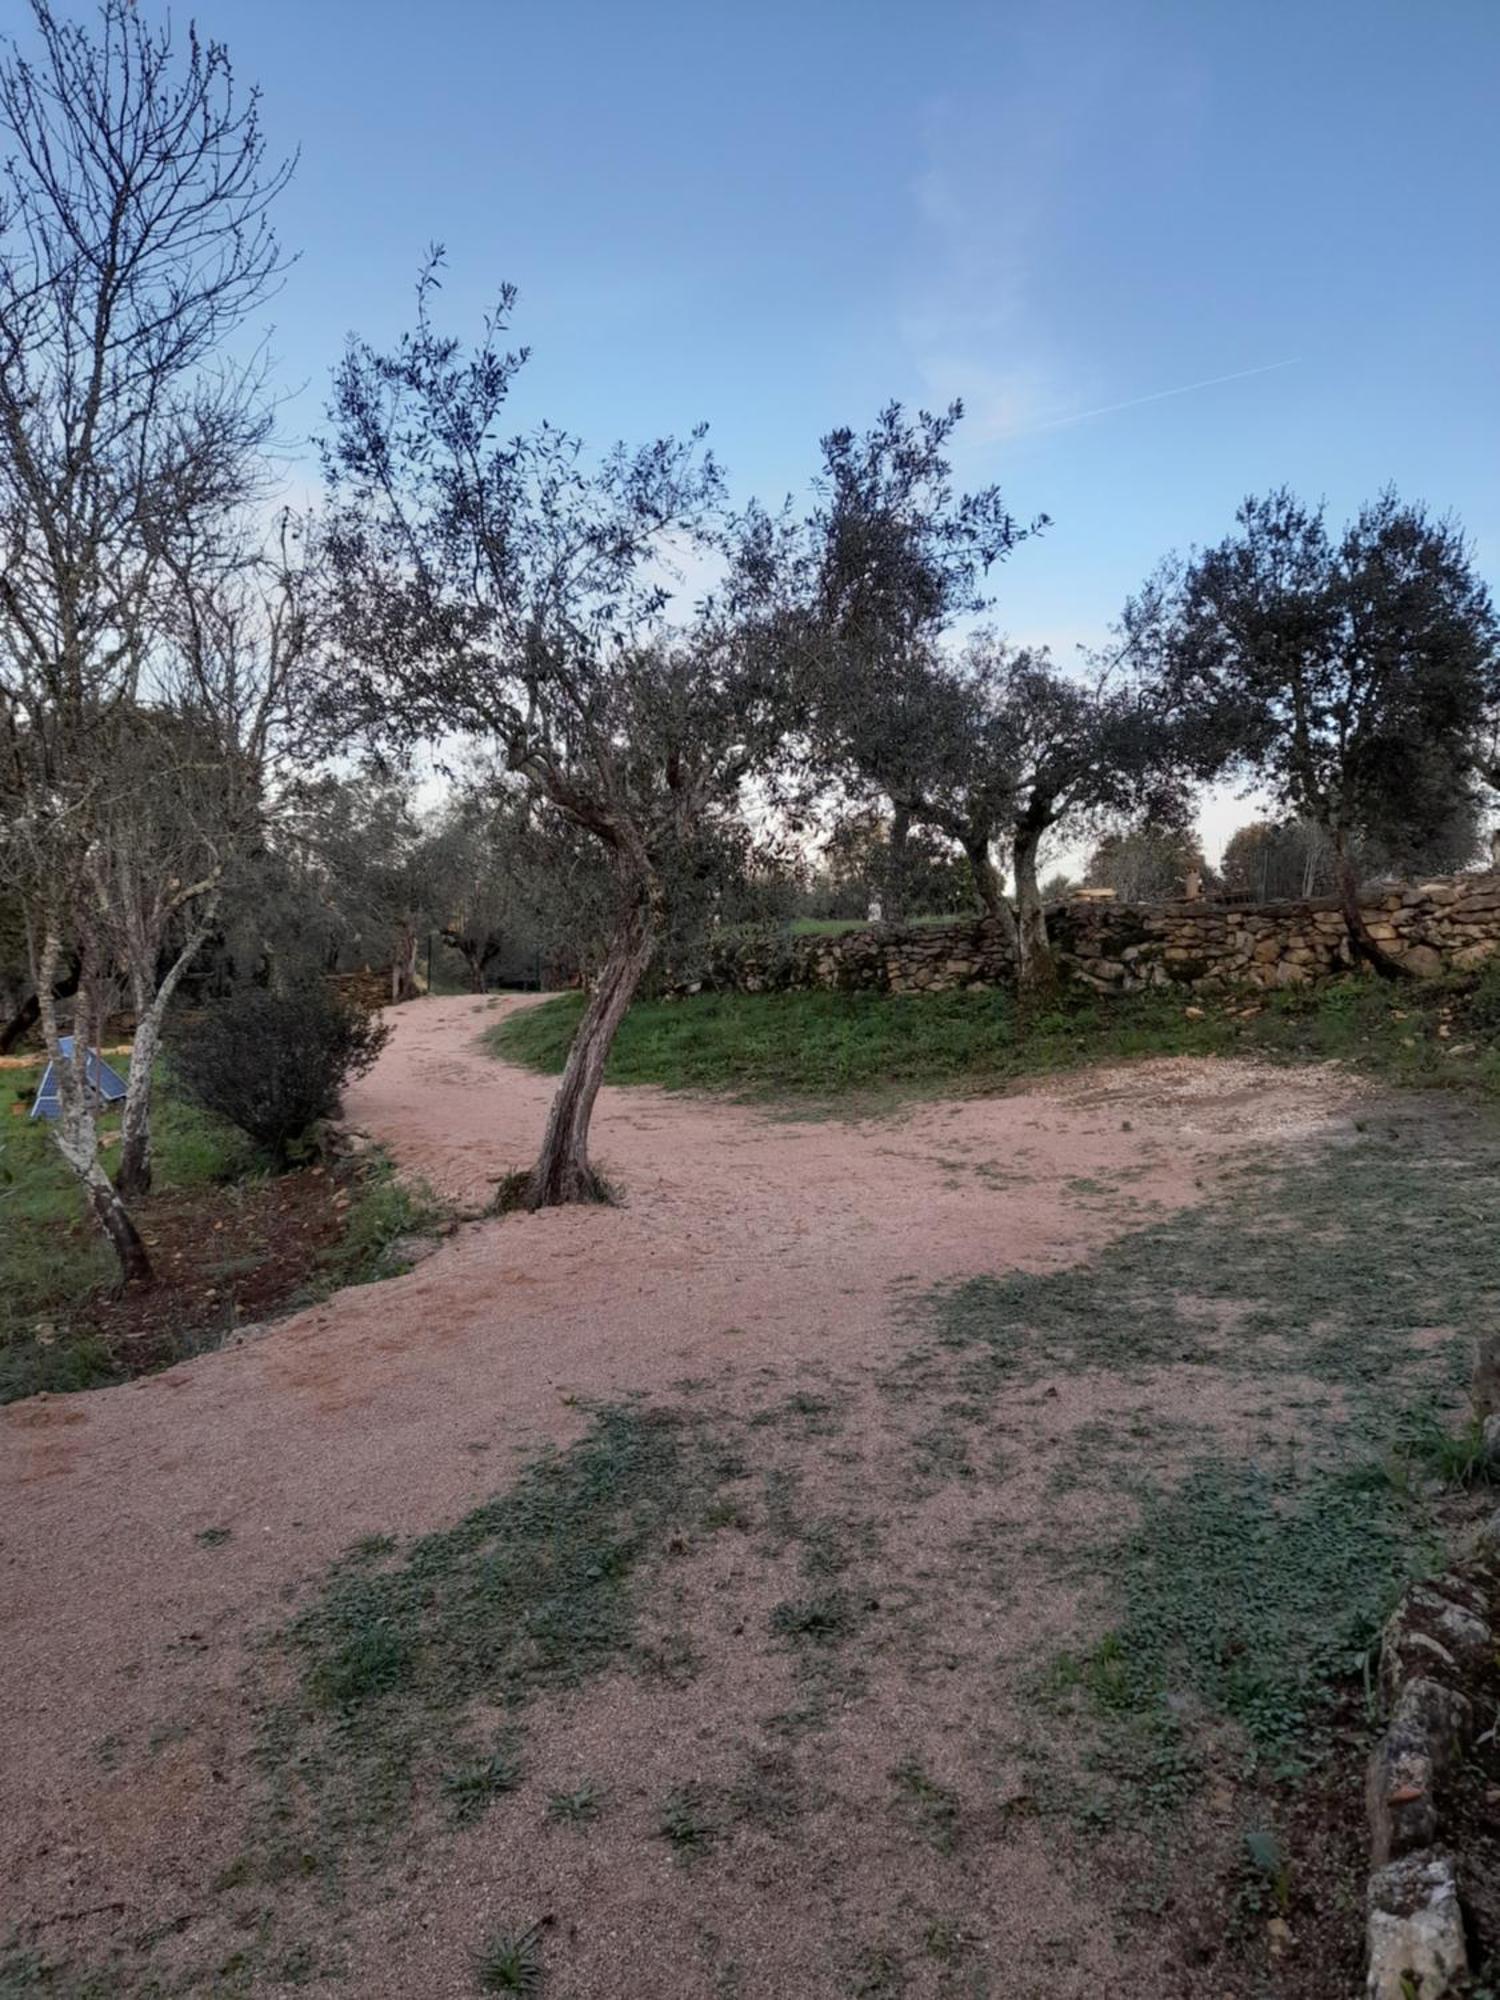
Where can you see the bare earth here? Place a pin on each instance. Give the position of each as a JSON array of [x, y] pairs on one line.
[[752, 1257]]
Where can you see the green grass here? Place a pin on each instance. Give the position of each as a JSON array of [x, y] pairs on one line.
[[535, 1590], [1329, 1265], [839, 926], [52, 1258], [687, 1823], [471, 1787], [827, 1045], [1248, 1592], [933, 1807], [1346, 1284], [511, 1962], [384, 1208], [580, 1807]]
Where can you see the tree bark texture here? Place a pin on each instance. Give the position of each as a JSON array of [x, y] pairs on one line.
[[1036, 969], [1361, 943], [563, 1173]]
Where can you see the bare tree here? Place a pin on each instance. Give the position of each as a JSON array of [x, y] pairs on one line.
[[509, 589], [133, 241], [190, 765]]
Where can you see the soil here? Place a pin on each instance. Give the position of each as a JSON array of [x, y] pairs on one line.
[[224, 1258], [153, 1535]]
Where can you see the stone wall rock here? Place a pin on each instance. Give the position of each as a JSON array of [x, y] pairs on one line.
[[1431, 927], [1436, 1661]]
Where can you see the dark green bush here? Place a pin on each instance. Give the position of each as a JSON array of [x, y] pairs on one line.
[[1482, 1011], [274, 1063]]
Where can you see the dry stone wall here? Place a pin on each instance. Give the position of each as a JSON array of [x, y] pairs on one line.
[[1431, 927]]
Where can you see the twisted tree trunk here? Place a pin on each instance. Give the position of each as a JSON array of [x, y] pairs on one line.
[[1361, 943], [987, 889], [404, 964], [563, 1174]]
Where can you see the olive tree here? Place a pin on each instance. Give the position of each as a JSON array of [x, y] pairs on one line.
[[893, 560], [1077, 749], [513, 591], [1352, 675]]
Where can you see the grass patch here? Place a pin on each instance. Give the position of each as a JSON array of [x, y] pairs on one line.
[[470, 1788], [1251, 1588], [52, 1259], [825, 1045], [1245, 1595], [580, 1807], [933, 1806], [384, 1208], [59, 1330], [828, 1044], [536, 1589], [1335, 1265], [825, 1619], [687, 1824]]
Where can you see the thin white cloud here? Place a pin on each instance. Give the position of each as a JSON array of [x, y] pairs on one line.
[[1054, 423]]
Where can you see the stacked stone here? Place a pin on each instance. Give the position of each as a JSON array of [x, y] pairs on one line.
[[1436, 1671], [1430, 927]]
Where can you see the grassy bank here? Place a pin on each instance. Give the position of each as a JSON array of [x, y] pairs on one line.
[[230, 1240], [823, 1046]]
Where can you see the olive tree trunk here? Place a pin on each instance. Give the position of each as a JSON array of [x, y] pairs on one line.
[[1036, 968], [404, 964], [987, 887], [893, 896], [563, 1173], [1361, 943]]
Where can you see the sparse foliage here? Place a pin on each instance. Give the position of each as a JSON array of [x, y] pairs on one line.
[[134, 239], [892, 559], [1148, 864], [509, 589]]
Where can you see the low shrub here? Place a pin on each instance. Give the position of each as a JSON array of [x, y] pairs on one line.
[[273, 1064]]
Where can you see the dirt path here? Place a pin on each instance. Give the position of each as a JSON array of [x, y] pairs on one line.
[[748, 1249]]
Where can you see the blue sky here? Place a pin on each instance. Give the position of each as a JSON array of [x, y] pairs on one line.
[[775, 217]]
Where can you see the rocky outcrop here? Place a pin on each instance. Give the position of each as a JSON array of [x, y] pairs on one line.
[[1431, 927]]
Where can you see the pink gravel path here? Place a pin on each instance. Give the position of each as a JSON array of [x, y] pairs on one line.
[[744, 1242]]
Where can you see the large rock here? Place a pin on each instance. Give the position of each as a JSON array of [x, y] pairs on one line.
[[1415, 1930]]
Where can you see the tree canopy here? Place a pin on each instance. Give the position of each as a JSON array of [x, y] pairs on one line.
[[1351, 675]]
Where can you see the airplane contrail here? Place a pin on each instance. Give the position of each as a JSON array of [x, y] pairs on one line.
[[1157, 396]]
